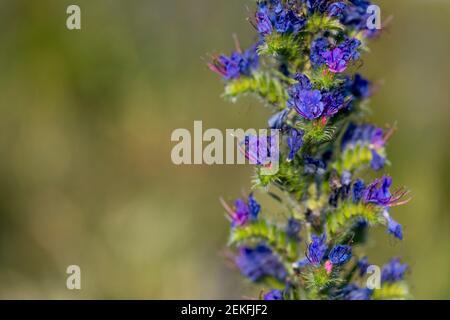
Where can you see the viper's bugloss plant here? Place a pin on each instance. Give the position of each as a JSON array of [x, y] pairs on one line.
[[303, 68]]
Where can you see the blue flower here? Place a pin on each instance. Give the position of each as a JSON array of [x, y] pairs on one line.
[[278, 119], [337, 59], [353, 292], [317, 249], [293, 229], [260, 262], [333, 101], [355, 14], [340, 255], [314, 166], [243, 211], [236, 65], [318, 49], [377, 163], [254, 207], [393, 226], [263, 23], [370, 136], [260, 149], [337, 9], [363, 264], [358, 190], [274, 295], [360, 87], [295, 142], [393, 271], [307, 103], [317, 5]]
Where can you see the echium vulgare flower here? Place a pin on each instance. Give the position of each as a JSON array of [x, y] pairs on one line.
[[302, 66]]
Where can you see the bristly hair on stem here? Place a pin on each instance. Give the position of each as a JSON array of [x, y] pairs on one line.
[[302, 66]]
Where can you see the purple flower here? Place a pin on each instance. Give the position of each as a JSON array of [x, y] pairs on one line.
[[335, 60], [236, 65], [295, 142], [307, 103], [316, 249], [378, 193], [243, 211], [274, 295], [260, 262], [340, 255], [393, 271]]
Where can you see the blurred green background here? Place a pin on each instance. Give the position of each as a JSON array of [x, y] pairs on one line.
[[85, 124]]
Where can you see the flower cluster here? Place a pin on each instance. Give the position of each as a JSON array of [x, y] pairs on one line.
[[302, 67]]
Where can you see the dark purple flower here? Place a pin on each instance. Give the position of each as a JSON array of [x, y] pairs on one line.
[[295, 142], [333, 101], [340, 255], [317, 249], [314, 166], [257, 263], [317, 5], [358, 190], [360, 87], [274, 295], [293, 229], [393, 271]]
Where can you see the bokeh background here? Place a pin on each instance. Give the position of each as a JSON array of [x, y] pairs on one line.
[[85, 122]]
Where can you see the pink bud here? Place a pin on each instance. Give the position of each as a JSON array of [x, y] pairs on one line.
[[328, 266]]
